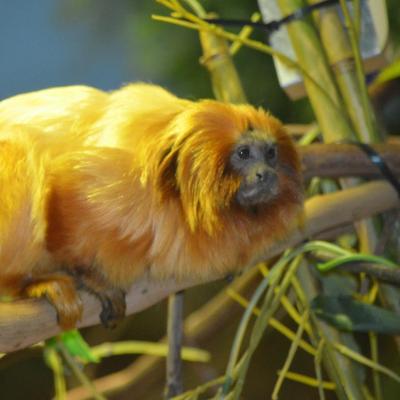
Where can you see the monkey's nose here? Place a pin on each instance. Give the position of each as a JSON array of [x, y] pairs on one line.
[[263, 175]]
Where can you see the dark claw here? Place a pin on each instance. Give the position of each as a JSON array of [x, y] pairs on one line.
[[112, 300], [113, 307], [107, 315]]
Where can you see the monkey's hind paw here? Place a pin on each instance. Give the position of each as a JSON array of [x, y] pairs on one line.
[[113, 307], [60, 290]]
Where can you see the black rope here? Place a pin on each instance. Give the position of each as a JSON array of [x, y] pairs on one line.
[[377, 160], [274, 25]]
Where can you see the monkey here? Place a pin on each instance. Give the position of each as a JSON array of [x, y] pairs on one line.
[[110, 187]]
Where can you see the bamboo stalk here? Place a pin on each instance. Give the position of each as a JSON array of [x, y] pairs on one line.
[[341, 58], [311, 56], [224, 77]]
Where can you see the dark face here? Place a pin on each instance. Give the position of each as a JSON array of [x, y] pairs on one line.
[[255, 160]]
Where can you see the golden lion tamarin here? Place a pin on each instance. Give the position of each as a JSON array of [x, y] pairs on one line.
[[98, 189]]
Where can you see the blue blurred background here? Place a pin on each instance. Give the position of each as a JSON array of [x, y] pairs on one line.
[[41, 47], [106, 44]]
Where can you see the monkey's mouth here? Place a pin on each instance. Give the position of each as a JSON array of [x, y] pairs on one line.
[[254, 194]]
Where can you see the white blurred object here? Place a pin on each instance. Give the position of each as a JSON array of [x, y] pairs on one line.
[[373, 41]]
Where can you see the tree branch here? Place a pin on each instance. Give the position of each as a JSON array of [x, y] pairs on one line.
[[174, 381], [25, 322], [378, 271], [343, 160]]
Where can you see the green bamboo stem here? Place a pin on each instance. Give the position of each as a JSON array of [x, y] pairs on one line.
[[311, 56], [217, 59], [224, 77], [345, 60]]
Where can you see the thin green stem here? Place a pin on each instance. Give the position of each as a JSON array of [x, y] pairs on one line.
[[190, 394], [240, 333], [289, 359], [274, 323], [318, 369], [245, 33], [55, 363], [83, 379], [366, 361], [373, 340], [197, 8], [149, 348], [356, 258], [270, 305]]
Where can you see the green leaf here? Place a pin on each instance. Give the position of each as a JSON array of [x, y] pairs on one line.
[[369, 258], [348, 314], [390, 72], [77, 346]]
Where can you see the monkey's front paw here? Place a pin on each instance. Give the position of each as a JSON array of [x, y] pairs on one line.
[[113, 307], [61, 292]]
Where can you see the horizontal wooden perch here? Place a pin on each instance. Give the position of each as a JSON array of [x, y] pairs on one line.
[[344, 160], [25, 322]]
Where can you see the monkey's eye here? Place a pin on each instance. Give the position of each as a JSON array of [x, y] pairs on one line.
[[271, 153], [243, 153]]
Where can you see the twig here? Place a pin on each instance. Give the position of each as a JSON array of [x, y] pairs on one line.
[[380, 272], [80, 374], [274, 323], [366, 361], [318, 369], [54, 361], [174, 384], [309, 381], [290, 357], [373, 340]]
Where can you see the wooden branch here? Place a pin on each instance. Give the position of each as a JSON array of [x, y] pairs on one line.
[[174, 381], [26, 322], [378, 271], [343, 160]]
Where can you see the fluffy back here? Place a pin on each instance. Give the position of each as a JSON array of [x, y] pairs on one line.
[[24, 190], [62, 117]]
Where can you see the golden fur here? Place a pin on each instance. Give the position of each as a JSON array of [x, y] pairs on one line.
[[132, 182]]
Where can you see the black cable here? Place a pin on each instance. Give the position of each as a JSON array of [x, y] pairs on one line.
[[274, 25], [377, 160]]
